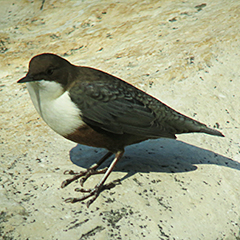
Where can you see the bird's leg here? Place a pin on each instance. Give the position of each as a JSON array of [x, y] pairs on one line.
[[87, 173], [94, 192]]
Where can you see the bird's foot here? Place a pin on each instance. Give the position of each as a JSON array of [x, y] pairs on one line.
[[93, 193], [84, 175]]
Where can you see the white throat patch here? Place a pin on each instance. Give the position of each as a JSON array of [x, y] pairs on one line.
[[55, 106]]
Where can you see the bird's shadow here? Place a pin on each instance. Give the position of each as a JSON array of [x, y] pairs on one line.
[[161, 155]]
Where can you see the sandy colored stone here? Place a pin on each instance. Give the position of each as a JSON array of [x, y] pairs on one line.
[[186, 53]]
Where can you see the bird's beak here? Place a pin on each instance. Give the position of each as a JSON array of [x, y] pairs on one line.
[[27, 78]]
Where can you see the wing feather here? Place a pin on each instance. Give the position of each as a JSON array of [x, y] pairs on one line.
[[116, 113]]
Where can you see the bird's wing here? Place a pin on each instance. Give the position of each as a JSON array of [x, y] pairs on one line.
[[116, 109]]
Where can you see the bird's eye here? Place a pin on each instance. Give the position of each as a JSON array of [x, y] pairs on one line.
[[50, 71]]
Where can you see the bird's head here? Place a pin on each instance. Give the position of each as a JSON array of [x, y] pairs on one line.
[[48, 67]]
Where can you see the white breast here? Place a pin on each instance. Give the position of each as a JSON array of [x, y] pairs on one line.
[[55, 106]]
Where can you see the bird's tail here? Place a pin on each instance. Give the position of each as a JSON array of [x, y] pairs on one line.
[[211, 131]]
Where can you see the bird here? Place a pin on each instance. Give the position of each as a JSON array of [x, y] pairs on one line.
[[92, 107]]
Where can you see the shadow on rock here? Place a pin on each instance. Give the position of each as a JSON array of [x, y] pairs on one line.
[[161, 155]]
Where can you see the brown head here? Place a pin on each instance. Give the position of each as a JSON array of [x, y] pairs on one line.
[[49, 67]]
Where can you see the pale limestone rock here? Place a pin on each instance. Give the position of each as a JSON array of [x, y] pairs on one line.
[[186, 53]]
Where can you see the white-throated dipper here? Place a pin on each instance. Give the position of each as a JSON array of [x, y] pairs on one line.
[[94, 108]]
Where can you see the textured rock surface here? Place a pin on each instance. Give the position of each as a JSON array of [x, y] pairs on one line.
[[186, 53]]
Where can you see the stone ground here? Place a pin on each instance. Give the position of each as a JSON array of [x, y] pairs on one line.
[[186, 53]]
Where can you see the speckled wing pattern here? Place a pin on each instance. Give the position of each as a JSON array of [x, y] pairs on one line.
[[119, 107], [116, 110]]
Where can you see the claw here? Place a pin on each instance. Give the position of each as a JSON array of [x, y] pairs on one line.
[[65, 183], [75, 177], [70, 172], [90, 173], [91, 193], [94, 192], [87, 173], [83, 190], [84, 175]]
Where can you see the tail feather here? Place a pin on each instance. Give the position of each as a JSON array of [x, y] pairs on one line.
[[211, 131]]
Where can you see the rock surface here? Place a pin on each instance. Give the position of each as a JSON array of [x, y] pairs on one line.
[[185, 53]]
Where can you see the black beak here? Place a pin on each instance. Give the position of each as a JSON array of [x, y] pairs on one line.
[[27, 78]]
